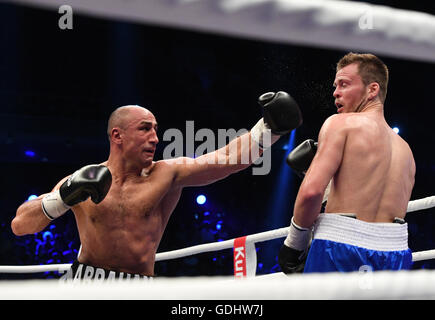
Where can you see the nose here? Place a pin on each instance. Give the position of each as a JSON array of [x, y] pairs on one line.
[[336, 93], [154, 139]]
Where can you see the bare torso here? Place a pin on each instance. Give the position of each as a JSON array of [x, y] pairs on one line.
[[123, 232], [376, 176]]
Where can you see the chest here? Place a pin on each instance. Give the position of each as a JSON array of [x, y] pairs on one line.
[[130, 201]]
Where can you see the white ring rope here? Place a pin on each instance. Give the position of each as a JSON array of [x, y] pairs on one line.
[[346, 25], [421, 204], [215, 246], [397, 285], [414, 205]]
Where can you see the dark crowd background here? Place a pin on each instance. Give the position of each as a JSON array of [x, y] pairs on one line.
[[58, 87]]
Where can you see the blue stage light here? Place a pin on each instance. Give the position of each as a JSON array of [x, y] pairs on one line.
[[201, 199], [396, 130], [29, 153], [47, 234], [31, 197]]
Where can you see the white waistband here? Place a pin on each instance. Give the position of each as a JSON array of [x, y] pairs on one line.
[[369, 235]]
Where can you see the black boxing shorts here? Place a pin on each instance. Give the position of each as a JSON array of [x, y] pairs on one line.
[[84, 272]]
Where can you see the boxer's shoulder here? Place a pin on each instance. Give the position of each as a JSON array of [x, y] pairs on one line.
[[335, 121], [334, 125], [348, 119], [161, 170], [350, 122]]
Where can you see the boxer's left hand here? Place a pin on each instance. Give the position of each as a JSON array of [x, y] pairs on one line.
[[300, 158], [281, 114]]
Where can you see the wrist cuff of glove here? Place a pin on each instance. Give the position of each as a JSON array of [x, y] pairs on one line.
[[53, 205], [262, 134], [298, 238]]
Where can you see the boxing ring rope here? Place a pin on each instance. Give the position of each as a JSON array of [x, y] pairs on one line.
[[250, 240], [398, 285], [329, 24], [421, 204]]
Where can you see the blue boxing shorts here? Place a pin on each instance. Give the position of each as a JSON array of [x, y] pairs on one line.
[[344, 244]]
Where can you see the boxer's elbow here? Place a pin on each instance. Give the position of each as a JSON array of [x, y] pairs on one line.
[[310, 194], [18, 227]]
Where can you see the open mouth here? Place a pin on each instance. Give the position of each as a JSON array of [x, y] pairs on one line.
[[339, 107], [149, 151]]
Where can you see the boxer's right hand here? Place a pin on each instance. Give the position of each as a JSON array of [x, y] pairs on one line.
[[90, 181], [291, 260], [293, 253]]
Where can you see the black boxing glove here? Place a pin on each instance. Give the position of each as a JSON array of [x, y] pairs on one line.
[[90, 181], [281, 114], [293, 253], [300, 158], [280, 111], [291, 260]]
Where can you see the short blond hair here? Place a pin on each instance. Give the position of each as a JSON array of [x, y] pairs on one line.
[[370, 68]]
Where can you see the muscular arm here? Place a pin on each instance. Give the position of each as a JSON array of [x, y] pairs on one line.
[[332, 139], [30, 217], [235, 156]]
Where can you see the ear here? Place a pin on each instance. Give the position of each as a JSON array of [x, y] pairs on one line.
[[373, 90], [116, 136]]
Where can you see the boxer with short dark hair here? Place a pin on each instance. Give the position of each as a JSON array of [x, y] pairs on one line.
[[371, 172], [122, 206]]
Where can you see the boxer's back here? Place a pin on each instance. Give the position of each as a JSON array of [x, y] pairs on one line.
[[376, 176]]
